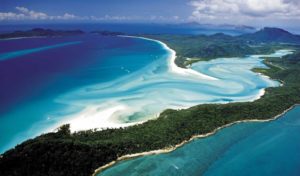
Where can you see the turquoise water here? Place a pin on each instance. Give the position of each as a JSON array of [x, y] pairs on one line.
[[99, 82], [260, 149], [34, 72]]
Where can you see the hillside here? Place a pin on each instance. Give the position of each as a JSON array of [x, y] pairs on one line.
[[204, 47], [268, 35]]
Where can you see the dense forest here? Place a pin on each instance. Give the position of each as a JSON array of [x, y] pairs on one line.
[[64, 153]]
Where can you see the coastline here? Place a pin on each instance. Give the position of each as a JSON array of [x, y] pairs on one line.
[[80, 122], [100, 153], [172, 65], [188, 71], [198, 136], [89, 117], [174, 68]]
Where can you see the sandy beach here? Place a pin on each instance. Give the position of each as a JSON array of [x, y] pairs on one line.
[[172, 65]]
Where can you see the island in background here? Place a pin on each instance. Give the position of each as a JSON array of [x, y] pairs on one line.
[[41, 32], [80, 153]]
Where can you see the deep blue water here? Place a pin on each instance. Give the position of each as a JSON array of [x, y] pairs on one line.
[[258, 149], [63, 63]]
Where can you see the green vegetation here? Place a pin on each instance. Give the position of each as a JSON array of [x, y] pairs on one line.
[[203, 47], [272, 35], [63, 153]]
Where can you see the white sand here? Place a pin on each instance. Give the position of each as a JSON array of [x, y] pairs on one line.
[[172, 65], [94, 118]]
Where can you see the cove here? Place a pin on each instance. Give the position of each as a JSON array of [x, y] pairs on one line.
[[251, 148]]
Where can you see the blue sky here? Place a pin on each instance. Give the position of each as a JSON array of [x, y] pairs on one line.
[[247, 12]]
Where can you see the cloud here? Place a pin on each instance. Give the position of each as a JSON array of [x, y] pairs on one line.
[[114, 18], [24, 13], [32, 14], [136, 18], [222, 11]]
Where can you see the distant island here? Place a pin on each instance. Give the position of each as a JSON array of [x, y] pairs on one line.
[[108, 33], [272, 35], [38, 32], [81, 153], [41, 32]]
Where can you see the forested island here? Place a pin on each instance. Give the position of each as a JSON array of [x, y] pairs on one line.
[[80, 153], [40, 32]]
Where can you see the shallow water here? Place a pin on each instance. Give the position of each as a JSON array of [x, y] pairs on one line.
[[254, 148], [98, 82]]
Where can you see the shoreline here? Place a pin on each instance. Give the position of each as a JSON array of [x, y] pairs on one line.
[[186, 71], [174, 68], [81, 118], [89, 117], [194, 137], [172, 65]]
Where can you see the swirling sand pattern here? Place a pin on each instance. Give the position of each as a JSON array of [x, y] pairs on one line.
[[144, 94]]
